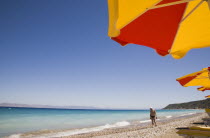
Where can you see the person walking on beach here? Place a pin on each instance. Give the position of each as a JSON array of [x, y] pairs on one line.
[[153, 116]]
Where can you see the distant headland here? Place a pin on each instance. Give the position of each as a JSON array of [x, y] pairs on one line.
[[201, 104]]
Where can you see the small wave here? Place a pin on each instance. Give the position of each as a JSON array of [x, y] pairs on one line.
[[169, 116], [76, 131], [14, 136], [187, 114], [121, 124], [86, 130], [145, 121], [191, 113]]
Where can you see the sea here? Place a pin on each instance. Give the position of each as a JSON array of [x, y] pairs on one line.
[[15, 122]]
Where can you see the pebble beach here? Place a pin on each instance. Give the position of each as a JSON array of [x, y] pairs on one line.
[[165, 129]]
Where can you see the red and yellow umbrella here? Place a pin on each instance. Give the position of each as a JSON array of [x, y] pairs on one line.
[[168, 26], [203, 88], [200, 78], [208, 96]]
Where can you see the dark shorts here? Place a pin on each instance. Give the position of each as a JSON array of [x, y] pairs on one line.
[[152, 117]]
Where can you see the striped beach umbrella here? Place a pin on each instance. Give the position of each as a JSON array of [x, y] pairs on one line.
[[168, 26], [200, 78], [203, 88], [208, 96]]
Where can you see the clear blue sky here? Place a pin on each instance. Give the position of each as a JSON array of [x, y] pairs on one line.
[[57, 52]]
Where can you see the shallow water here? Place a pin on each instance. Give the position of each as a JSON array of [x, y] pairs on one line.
[[21, 120]]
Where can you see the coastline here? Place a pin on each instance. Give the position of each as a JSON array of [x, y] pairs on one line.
[[166, 128]]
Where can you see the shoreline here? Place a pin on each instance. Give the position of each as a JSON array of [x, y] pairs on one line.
[[165, 129], [166, 126]]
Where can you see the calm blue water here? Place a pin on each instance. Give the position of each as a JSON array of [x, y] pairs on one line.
[[20, 120]]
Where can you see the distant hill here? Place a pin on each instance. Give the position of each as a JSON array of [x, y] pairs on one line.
[[202, 104], [45, 106]]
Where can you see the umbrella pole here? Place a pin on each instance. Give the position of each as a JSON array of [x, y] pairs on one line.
[[169, 4], [192, 11]]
